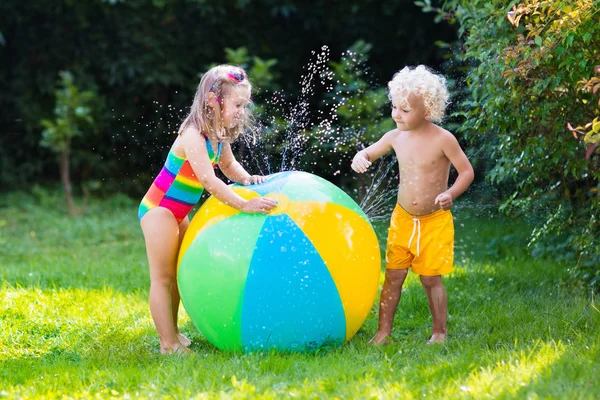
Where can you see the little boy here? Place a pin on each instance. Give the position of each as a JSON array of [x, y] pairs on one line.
[[421, 234]]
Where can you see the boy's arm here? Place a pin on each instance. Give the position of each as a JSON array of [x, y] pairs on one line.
[[463, 166], [364, 158]]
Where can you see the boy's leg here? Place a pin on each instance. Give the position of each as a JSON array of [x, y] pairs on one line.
[[438, 305], [388, 303]]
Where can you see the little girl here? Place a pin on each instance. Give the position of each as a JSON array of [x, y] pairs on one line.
[[217, 117]]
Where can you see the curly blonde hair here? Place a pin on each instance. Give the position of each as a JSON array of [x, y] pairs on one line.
[[420, 81]]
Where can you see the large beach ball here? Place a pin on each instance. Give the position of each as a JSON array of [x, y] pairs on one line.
[[304, 276]]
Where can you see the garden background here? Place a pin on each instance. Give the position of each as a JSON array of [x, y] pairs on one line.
[[92, 93]]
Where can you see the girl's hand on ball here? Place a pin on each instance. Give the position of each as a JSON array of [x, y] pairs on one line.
[[260, 205], [255, 179]]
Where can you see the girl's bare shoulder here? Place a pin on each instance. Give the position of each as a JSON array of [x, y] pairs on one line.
[[188, 131], [188, 139]]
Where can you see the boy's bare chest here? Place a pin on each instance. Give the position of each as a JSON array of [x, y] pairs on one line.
[[420, 156]]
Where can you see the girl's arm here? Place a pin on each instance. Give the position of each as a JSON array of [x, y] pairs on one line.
[[234, 171], [197, 154], [231, 167]]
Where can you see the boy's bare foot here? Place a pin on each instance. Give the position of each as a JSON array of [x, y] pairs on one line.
[[381, 339], [183, 340], [437, 338]]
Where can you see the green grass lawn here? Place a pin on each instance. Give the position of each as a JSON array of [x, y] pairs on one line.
[[74, 322]]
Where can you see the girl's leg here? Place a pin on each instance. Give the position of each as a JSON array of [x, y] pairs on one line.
[[175, 297], [161, 233]]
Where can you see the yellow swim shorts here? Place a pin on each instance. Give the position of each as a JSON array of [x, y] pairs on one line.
[[423, 242]]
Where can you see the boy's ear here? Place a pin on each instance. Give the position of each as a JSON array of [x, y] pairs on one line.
[[213, 100]]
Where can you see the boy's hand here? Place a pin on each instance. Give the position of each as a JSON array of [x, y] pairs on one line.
[[360, 163], [255, 179], [444, 200]]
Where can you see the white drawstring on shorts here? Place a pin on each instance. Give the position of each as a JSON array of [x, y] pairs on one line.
[[416, 227]]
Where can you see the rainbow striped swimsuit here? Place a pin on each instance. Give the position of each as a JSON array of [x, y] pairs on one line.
[[176, 187]]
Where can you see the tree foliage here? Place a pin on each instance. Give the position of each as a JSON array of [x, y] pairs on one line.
[[72, 117], [145, 58], [530, 73]]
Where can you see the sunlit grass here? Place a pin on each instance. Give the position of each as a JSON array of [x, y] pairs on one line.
[[74, 322]]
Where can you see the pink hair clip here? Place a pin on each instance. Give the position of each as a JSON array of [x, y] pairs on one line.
[[238, 75]]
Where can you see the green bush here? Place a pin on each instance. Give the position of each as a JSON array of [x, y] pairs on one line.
[[529, 71]]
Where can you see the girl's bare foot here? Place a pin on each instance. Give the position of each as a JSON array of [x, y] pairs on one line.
[[381, 339], [437, 338], [183, 340], [173, 346], [179, 350]]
